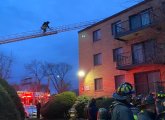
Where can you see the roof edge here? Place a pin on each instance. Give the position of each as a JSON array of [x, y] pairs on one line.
[[117, 14]]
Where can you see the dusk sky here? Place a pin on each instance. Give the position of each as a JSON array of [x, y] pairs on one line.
[[18, 16]]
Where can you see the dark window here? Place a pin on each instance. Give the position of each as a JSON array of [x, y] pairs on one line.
[[98, 84], [116, 27], [97, 35], [143, 52], [117, 53], [118, 80], [138, 53], [163, 7], [97, 59], [145, 82], [141, 19]]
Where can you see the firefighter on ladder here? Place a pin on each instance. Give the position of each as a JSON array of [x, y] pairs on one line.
[[44, 26]]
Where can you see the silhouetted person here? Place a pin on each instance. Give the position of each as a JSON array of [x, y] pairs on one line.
[[92, 110], [38, 106], [44, 26]]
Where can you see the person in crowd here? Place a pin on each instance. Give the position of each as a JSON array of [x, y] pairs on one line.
[[148, 110], [86, 111], [120, 110], [136, 101], [92, 110], [160, 105], [38, 106], [102, 114]]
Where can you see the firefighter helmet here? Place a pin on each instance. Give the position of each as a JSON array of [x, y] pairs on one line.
[[148, 100], [160, 94], [124, 90]]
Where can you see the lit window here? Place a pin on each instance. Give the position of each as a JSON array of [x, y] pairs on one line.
[[98, 84], [83, 36], [97, 59], [96, 35]]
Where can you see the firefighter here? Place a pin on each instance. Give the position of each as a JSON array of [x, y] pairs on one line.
[[45, 26], [147, 109], [120, 110], [136, 101], [160, 105]]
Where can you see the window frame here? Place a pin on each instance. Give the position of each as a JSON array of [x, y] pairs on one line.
[[115, 58], [144, 50], [139, 15], [114, 29], [97, 85], [115, 77], [148, 83], [163, 7], [96, 59], [97, 35]]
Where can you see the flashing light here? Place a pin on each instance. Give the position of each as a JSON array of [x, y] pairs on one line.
[[28, 96]]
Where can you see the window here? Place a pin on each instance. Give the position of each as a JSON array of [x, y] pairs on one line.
[[98, 59], [98, 84], [117, 53], [163, 7], [118, 80], [138, 53], [143, 52], [141, 19], [96, 35], [145, 82], [116, 27]]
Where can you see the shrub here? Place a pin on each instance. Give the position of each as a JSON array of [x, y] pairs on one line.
[[58, 105], [81, 102], [8, 110], [14, 97]]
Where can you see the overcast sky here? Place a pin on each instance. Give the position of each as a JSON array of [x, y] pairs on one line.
[[18, 16]]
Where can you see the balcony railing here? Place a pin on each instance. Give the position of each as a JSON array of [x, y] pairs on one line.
[[146, 19], [129, 60]]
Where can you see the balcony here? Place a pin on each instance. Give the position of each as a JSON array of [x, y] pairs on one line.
[[138, 24], [130, 60]]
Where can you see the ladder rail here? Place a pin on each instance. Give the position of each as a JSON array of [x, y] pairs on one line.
[[39, 33]]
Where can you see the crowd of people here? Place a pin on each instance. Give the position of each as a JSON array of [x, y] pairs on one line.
[[127, 106]]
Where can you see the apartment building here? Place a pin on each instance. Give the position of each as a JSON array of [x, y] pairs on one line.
[[128, 46]]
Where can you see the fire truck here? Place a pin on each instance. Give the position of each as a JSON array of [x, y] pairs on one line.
[[31, 98], [30, 92]]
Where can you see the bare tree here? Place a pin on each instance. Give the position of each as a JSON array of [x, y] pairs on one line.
[[5, 66], [57, 73], [35, 70]]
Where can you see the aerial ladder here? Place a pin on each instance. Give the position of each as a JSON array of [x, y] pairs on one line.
[[40, 33]]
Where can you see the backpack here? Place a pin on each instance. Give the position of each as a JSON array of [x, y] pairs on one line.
[[134, 110], [111, 107]]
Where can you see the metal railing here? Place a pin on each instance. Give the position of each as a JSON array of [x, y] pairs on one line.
[[157, 56], [152, 17]]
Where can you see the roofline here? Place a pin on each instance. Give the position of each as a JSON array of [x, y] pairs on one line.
[[117, 14]]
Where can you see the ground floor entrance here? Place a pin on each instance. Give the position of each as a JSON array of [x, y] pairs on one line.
[[147, 82]]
